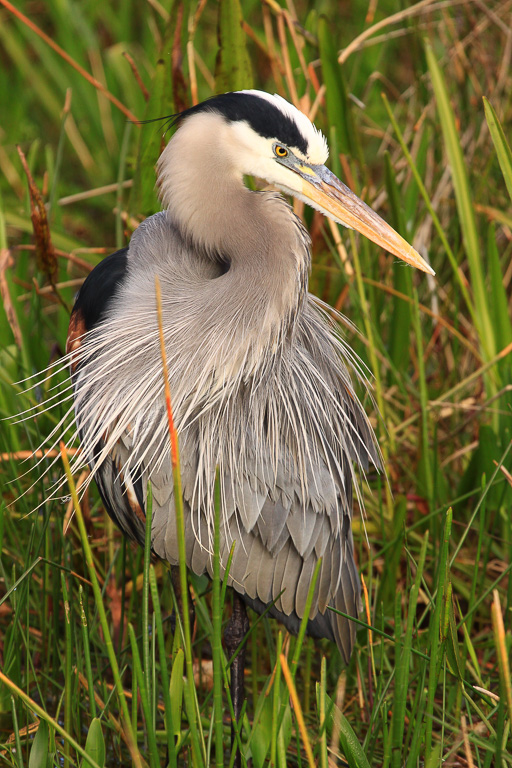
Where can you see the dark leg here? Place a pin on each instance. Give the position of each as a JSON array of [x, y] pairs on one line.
[[235, 632]]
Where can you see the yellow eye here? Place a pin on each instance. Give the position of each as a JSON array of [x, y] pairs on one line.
[[280, 151]]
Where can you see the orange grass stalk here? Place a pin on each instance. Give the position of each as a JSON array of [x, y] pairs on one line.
[[297, 709]]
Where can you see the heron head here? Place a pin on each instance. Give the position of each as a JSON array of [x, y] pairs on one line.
[[267, 137]]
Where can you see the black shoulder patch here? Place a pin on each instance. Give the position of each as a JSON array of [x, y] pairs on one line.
[[100, 287], [262, 115]]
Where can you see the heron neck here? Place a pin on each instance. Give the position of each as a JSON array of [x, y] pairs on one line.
[[267, 250], [260, 243], [257, 238]]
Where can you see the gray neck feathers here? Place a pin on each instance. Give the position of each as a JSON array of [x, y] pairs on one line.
[[261, 244]]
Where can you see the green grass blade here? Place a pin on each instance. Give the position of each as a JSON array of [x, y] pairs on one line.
[[464, 205], [40, 712], [339, 109], [503, 652], [164, 673], [17, 738], [143, 691], [144, 198], [217, 635], [300, 639], [400, 325], [145, 593], [435, 639], [403, 666], [67, 666], [176, 690], [262, 725], [87, 652], [198, 746], [499, 307], [120, 241], [500, 143], [109, 646], [426, 458], [461, 285], [321, 694], [305, 619], [372, 353], [276, 701]]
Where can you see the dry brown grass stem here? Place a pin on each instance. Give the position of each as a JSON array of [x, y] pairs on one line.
[[62, 53], [396, 18]]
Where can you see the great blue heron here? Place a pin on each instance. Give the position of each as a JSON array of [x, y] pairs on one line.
[[258, 371]]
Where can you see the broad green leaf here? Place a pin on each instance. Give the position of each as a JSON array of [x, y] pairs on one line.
[[260, 742], [350, 745], [501, 144], [233, 67], [39, 751], [352, 749], [95, 743], [433, 759]]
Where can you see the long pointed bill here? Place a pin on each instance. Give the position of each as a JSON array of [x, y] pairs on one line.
[[326, 192]]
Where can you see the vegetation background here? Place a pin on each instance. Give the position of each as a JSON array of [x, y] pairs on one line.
[[416, 102]]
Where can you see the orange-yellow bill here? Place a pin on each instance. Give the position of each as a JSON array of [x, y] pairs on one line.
[[327, 193]]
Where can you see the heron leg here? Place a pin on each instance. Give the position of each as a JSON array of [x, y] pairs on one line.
[[236, 630]]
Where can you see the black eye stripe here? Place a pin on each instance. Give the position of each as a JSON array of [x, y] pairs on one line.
[[262, 115]]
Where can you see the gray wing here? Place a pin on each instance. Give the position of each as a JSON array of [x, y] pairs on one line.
[[283, 521], [276, 551], [277, 546], [283, 513]]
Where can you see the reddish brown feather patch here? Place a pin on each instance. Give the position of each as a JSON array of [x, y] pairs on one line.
[[134, 504], [76, 331], [131, 495], [126, 482]]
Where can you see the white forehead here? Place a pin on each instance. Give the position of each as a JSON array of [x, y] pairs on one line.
[[318, 150]]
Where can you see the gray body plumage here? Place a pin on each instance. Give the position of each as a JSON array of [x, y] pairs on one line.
[[283, 433], [259, 383]]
